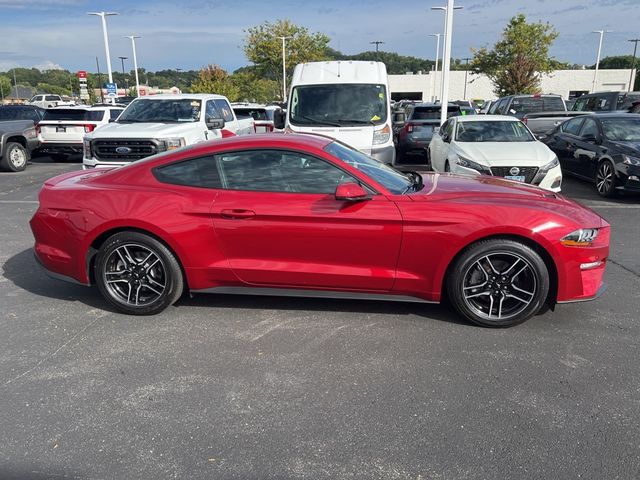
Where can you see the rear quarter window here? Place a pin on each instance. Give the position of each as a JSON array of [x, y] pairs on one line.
[[196, 172]]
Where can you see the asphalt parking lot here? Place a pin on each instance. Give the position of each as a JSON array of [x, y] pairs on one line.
[[224, 387]]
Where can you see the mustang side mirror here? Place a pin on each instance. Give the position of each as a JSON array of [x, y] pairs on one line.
[[215, 123], [351, 192], [278, 119]]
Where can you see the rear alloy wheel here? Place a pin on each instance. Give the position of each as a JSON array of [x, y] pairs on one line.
[[606, 179], [137, 274], [15, 158], [498, 283]]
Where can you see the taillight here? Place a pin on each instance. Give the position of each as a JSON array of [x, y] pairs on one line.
[[270, 128], [409, 127], [89, 127], [525, 120]]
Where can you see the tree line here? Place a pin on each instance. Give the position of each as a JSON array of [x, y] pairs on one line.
[[514, 64]]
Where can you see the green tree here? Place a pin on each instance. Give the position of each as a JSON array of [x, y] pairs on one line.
[[5, 85], [515, 63], [264, 49], [213, 79], [252, 87], [396, 64]]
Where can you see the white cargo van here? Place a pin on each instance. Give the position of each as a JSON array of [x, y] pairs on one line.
[[346, 100]]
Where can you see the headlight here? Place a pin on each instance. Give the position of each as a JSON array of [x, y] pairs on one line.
[[466, 163], [552, 164], [381, 136], [86, 149], [173, 143], [629, 160], [580, 238]]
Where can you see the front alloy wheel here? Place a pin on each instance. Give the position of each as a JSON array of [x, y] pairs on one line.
[[138, 274], [606, 179], [498, 283]]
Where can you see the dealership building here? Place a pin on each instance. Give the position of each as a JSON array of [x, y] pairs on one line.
[[469, 85]]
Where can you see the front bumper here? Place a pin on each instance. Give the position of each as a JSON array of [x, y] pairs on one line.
[[385, 154], [551, 181]]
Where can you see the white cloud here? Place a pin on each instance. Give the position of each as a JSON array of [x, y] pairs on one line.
[[48, 65]]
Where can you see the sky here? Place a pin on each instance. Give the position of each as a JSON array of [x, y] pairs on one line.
[[190, 34]]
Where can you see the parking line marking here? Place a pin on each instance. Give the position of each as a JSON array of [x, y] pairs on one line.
[[20, 201], [606, 205]]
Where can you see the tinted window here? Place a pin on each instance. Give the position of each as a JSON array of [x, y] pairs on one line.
[[278, 171], [339, 104], [255, 113], [223, 107], [114, 113], [523, 105], [433, 112], [603, 104], [212, 111], [626, 101], [393, 180], [572, 126], [493, 132], [590, 128], [73, 114], [18, 113], [197, 172], [622, 129], [52, 98]]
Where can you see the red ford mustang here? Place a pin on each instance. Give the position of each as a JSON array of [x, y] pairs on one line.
[[305, 215]]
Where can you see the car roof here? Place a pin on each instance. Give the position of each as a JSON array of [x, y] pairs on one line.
[[183, 96], [486, 118], [612, 115]]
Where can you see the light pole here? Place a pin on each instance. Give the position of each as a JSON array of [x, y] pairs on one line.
[[284, 70], [377, 43], [15, 85], [124, 78], [437, 35], [103, 16], [445, 38], [446, 54], [466, 72], [633, 62], [595, 74], [135, 61]]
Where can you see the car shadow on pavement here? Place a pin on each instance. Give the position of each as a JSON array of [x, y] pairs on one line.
[[23, 270], [439, 312]]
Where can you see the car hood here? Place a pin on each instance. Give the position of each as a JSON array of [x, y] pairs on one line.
[[143, 130], [503, 154], [485, 191], [631, 148]]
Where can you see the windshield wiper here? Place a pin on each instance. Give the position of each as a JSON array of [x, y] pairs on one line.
[[359, 122], [319, 121], [416, 182]]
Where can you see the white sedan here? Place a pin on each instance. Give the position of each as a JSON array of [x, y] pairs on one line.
[[495, 145]]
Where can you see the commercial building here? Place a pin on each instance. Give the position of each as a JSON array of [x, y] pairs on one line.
[[469, 85]]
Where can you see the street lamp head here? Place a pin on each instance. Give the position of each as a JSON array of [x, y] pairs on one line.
[[132, 36], [444, 9], [102, 14]]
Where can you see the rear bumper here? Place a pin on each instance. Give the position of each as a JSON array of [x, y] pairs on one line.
[[54, 275], [55, 147]]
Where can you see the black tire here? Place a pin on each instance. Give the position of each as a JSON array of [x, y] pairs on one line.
[[15, 158], [606, 179], [138, 274], [498, 283]]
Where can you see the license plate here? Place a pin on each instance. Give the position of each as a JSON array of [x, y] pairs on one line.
[[516, 178], [61, 129]]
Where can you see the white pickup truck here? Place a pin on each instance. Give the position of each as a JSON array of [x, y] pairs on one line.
[[158, 123]]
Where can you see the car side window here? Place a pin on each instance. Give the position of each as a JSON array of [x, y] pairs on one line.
[[572, 127], [52, 98], [279, 171], [211, 111], [603, 104], [589, 128], [114, 113], [450, 127], [223, 107], [196, 172]]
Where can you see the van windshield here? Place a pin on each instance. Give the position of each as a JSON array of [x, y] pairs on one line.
[[339, 105]]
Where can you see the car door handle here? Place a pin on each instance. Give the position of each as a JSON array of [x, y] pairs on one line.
[[237, 213]]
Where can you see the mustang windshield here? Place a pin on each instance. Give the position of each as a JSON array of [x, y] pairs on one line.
[[489, 131], [395, 181], [339, 105], [162, 111]]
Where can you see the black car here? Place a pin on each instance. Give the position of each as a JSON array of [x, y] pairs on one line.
[[21, 112], [603, 148], [606, 102], [417, 129]]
